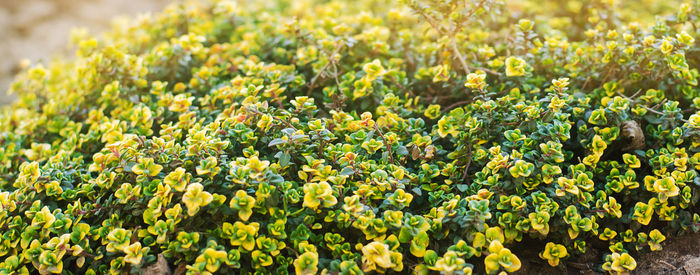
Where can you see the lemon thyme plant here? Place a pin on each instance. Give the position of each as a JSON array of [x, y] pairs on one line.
[[350, 137]]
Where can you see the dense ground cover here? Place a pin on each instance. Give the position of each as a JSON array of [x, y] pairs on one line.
[[357, 136]]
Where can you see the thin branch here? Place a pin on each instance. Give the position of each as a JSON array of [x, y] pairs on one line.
[[454, 44], [459, 56], [273, 117], [662, 102], [386, 144], [469, 162], [335, 75], [668, 265], [636, 93], [585, 83], [442, 30], [456, 104], [438, 27], [489, 71], [647, 108], [331, 60], [478, 6]]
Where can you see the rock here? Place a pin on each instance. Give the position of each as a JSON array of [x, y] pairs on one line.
[[159, 268], [692, 266], [632, 133]]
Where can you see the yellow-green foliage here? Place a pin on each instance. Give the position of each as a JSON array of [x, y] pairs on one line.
[[357, 136]]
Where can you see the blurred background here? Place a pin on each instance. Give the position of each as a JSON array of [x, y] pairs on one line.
[[38, 29]]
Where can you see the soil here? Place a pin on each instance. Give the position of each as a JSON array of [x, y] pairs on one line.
[[679, 256], [38, 29]]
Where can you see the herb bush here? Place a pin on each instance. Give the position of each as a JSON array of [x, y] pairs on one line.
[[343, 137]]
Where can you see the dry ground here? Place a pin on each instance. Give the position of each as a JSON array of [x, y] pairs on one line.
[[38, 29]]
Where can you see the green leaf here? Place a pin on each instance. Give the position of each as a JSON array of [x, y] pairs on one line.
[[284, 159], [276, 141], [462, 187], [347, 171]]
